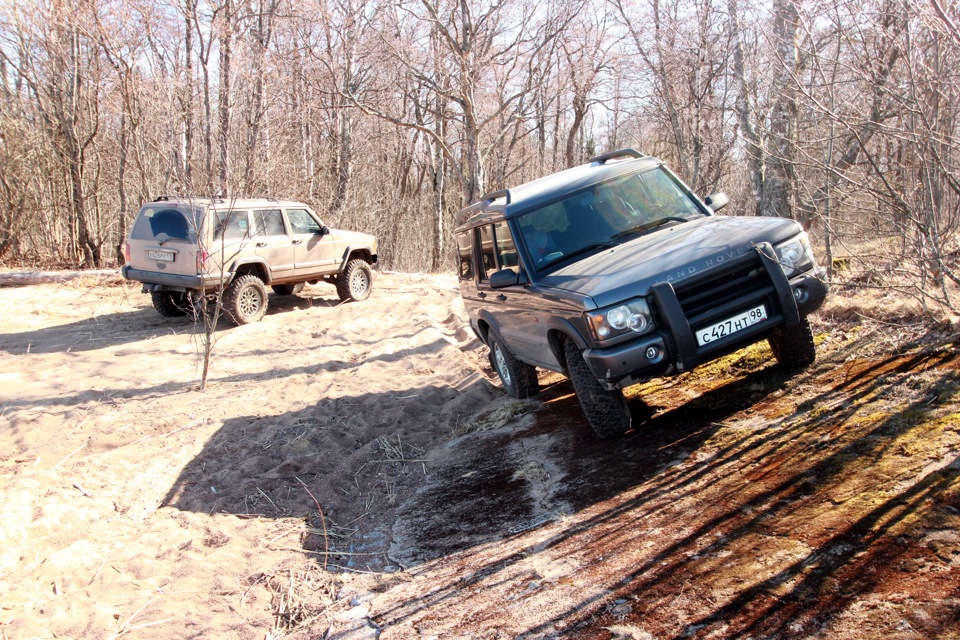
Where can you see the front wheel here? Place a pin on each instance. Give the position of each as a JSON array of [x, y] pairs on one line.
[[794, 346], [355, 281], [245, 300], [519, 378], [606, 411]]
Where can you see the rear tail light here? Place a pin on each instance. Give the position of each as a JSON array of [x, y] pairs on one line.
[[126, 252], [202, 258]]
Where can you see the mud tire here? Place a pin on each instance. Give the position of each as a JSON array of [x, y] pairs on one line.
[[794, 346], [287, 289], [519, 378], [355, 282], [170, 304], [245, 300], [606, 411]]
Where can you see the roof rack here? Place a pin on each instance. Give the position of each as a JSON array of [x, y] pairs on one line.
[[163, 198], [493, 195], [620, 153]]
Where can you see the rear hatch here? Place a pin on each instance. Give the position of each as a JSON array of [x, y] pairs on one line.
[[164, 238]]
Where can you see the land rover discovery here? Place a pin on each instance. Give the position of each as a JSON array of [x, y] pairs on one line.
[[614, 272]]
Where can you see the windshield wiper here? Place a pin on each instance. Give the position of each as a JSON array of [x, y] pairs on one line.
[[646, 226], [606, 244]]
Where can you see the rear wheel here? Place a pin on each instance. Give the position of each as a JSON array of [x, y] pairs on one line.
[[519, 378], [170, 304], [794, 346], [606, 411], [287, 289], [245, 300], [355, 281]]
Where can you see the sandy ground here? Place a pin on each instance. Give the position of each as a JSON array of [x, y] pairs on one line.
[[354, 471]]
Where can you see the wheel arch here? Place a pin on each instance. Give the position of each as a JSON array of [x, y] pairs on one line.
[[252, 267], [558, 331]]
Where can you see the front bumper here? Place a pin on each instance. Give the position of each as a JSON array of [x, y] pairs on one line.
[[673, 348]]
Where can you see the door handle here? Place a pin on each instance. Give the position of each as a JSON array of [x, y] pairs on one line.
[[501, 297], [298, 242], [481, 295], [261, 244]]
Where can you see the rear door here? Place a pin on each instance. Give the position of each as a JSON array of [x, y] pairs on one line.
[[272, 243], [314, 254], [164, 239]]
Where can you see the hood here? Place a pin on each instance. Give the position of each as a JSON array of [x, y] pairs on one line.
[[666, 255], [353, 237]]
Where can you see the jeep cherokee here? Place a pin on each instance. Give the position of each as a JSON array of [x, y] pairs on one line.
[[181, 249]]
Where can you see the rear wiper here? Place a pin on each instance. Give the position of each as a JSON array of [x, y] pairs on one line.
[[646, 226]]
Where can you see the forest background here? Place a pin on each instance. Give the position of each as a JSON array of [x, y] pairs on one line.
[[388, 116]]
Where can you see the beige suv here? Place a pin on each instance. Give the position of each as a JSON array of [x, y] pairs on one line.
[[181, 249]]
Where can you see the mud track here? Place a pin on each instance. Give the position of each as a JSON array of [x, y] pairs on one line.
[[353, 471]]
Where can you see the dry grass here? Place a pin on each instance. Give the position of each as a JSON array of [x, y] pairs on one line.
[[497, 418]]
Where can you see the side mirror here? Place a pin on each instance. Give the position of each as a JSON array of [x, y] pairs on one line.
[[504, 278], [717, 201], [324, 230]]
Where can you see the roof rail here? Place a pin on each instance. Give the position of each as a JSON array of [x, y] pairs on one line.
[[493, 195], [620, 153]]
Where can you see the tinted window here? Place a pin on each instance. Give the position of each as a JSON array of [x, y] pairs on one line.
[[302, 222], [488, 263], [155, 221], [464, 257], [268, 222]]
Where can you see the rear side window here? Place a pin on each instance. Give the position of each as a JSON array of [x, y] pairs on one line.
[[268, 222], [163, 222], [231, 225], [464, 256]]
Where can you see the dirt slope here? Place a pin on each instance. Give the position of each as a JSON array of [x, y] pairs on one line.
[[352, 471]]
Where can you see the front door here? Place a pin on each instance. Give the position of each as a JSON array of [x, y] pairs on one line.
[[314, 254]]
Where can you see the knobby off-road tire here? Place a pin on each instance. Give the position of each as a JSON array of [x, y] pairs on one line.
[[355, 281], [287, 289], [170, 304], [606, 411], [245, 300], [794, 347], [519, 378]]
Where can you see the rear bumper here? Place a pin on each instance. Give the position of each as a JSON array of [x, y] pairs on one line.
[[157, 281]]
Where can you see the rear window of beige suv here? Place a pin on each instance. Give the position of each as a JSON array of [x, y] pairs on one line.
[[157, 223]]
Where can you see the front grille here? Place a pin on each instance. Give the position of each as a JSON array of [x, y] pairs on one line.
[[720, 291]]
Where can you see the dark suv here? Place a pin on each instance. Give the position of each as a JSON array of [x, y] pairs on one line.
[[614, 273]]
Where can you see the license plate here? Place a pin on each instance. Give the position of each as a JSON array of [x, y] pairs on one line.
[[160, 255], [731, 325]]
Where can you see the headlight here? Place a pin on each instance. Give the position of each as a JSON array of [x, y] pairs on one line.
[[795, 255], [631, 316]]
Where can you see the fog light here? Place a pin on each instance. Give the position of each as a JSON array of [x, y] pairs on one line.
[[800, 294], [653, 354]]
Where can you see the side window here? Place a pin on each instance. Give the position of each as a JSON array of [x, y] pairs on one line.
[[302, 222], [268, 222], [487, 262], [506, 249], [231, 225], [464, 256]]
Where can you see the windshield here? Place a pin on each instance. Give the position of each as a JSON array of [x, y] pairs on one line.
[[605, 216]]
